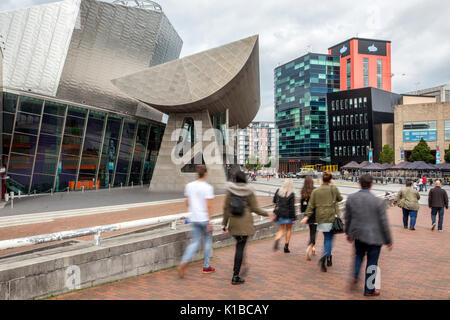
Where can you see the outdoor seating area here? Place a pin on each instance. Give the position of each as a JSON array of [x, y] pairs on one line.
[[400, 173]]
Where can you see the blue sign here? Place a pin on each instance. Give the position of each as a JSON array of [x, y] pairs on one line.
[[343, 49], [372, 48], [370, 155], [430, 135], [438, 156]]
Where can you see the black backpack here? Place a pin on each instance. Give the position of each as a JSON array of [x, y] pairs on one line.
[[237, 205]]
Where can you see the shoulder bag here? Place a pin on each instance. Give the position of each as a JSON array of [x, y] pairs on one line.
[[338, 225]]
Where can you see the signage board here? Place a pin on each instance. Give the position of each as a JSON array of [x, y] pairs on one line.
[[372, 47], [429, 135], [341, 50]]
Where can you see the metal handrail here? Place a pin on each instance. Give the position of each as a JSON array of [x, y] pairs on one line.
[[97, 230]]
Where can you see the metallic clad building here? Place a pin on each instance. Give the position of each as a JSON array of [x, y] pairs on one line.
[[64, 125], [72, 50]]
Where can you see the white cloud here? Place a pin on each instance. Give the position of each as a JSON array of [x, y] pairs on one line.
[[418, 30]]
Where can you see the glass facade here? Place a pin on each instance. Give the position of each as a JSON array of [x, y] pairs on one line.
[[301, 88], [349, 74], [379, 74], [447, 129], [49, 145], [365, 72]]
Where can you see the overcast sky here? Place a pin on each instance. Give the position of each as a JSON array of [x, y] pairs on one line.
[[419, 31]]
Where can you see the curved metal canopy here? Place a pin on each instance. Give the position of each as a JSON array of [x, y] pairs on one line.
[[226, 77]]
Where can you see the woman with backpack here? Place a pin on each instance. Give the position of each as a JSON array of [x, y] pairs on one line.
[[284, 200], [305, 195], [324, 203], [240, 202]]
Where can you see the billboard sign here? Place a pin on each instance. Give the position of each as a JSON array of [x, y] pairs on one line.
[[341, 50], [371, 156], [429, 135], [438, 156], [372, 47]]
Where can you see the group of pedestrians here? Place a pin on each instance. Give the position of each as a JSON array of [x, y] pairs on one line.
[[366, 224], [408, 199]]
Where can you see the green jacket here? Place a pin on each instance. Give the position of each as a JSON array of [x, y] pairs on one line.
[[324, 200], [411, 199], [241, 225]]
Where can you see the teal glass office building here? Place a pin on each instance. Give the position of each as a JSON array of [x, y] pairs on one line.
[[301, 88]]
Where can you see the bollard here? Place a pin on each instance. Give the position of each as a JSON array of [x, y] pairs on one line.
[[132, 184], [11, 195], [51, 191], [173, 225], [82, 189], [121, 185], [6, 197], [109, 187], [142, 183], [97, 238], [34, 191], [68, 189], [19, 194]]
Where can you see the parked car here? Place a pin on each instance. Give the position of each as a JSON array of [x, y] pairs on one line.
[[307, 172]]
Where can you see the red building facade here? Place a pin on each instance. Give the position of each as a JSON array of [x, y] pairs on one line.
[[364, 63]]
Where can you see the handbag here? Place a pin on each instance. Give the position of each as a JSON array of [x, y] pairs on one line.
[[338, 225]]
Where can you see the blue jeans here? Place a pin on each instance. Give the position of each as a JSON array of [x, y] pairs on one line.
[[327, 243], [373, 253], [199, 229], [409, 213], [435, 211]]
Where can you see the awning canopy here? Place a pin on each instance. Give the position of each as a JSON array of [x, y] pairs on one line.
[[374, 167], [351, 165], [400, 165], [420, 165]]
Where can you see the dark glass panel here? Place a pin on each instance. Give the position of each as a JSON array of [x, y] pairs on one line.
[[88, 166], [94, 129], [42, 183], [91, 148], [16, 183], [113, 127], [69, 164], [63, 181], [135, 178], [8, 122], [30, 105], [6, 143], [55, 108], [45, 164], [27, 123], [20, 164], [105, 172], [52, 125], [74, 126], [77, 112], [49, 144], [23, 143], [156, 133], [139, 149], [120, 179], [126, 146], [71, 145], [9, 102]]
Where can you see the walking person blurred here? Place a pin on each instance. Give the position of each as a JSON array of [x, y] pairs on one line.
[[240, 202], [324, 202], [424, 183], [305, 195], [420, 184], [366, 225], [199, 195], [408, 200], [284, 200], [437, 201]]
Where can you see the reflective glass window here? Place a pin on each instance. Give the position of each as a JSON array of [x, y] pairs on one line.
[[18, 182], [52, 125], [42, 183], [24, 143], [8, 122], [27, 123], [45, 163], [9, 102], [69, 164], [49, 144], [21, 164], [94, 128], [113, 127], [74, 126], [63, 181], [30, 105], [120, 179], [71, 145], [126, 146], [77, 112], [156, 134], [6, 143], [55, 108], [105, 172], [139, 151]]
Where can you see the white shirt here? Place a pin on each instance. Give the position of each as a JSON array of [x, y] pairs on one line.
[[197, 192]]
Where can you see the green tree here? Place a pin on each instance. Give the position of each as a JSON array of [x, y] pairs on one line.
[[387, 154], [447, 155], [421, 152]]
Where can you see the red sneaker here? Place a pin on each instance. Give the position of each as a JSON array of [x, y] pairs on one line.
[[372, 294], [209, 270]]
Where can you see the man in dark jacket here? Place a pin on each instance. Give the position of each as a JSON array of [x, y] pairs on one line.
[[437, 200], [367, 225]]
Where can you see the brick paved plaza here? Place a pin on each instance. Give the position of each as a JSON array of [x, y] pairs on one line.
[[417, 268]]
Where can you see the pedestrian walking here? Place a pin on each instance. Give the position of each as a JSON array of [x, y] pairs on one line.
[[199, 195], [240, 202], [437, 201], [324, 202], [408, 200], [284, 200], [424, 183], [305, 195], [366, 225], [420, 184]]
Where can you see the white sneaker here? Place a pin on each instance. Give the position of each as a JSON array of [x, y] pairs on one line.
[[433, 226]]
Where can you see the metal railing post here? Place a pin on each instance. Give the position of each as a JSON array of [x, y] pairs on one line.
[[97, 238], [19, 194], [173, 225]]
